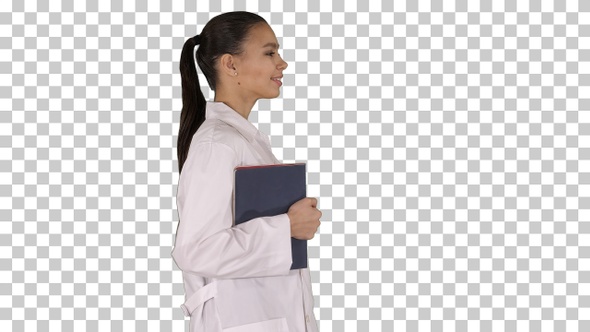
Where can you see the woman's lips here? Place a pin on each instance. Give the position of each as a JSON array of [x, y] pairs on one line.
[[277, 80]]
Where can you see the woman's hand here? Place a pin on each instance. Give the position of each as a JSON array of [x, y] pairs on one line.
[[305, 218]]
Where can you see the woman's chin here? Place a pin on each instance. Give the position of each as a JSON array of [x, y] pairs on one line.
[[273, 95]]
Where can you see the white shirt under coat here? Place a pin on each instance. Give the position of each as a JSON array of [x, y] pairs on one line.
[[236, 279]]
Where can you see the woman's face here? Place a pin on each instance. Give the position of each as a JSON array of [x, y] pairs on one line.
[[259, 66]]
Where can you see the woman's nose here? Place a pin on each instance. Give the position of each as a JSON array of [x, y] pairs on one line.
[[283, 64]]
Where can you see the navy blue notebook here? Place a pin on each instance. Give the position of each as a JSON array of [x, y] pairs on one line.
[[268, 190]]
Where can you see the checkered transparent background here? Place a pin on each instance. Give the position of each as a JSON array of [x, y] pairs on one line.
[[448, 145]]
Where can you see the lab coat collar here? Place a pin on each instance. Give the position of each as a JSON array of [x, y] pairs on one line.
[[219, 110]]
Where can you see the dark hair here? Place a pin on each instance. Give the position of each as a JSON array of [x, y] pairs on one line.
[[223, 34]]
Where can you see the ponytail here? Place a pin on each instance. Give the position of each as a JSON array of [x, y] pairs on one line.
[[193, 102]]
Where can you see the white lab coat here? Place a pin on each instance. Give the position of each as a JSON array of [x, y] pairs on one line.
[[236, 279]]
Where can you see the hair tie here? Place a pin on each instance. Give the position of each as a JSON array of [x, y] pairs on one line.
[[197, 39]]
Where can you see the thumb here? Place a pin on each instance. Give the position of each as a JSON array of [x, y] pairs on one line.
[[313, 201]]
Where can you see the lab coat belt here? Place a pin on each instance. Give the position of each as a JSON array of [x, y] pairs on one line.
[[199, 298]]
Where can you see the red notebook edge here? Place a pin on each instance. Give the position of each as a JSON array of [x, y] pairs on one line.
[[267, 165]]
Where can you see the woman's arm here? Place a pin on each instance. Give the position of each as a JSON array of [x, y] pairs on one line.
[[206, 244]]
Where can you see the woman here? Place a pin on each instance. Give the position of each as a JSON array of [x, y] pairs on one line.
[[238, 278]]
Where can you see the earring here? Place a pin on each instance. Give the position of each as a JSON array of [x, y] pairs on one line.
[[235, 73]]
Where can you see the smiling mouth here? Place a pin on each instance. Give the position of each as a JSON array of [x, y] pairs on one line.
[[277, 80]]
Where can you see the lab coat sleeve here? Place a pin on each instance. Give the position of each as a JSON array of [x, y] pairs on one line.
[[206, 243]]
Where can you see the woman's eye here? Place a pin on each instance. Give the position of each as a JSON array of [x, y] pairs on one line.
[[271, 53]]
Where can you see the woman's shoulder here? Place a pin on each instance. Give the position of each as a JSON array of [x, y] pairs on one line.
[[216, 131]]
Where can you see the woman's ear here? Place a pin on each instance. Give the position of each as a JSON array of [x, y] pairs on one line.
[[227, 65]]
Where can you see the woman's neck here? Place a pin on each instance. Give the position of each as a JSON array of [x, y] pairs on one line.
[[234, 101]]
